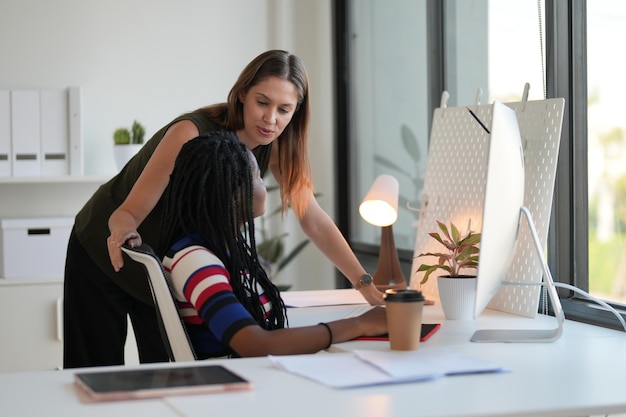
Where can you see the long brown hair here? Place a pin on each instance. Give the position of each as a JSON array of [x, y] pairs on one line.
[[293, 148]]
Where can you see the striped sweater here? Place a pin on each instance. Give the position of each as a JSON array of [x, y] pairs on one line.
[[211, 311]]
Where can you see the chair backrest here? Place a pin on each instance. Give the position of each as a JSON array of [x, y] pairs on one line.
[[173, 330]]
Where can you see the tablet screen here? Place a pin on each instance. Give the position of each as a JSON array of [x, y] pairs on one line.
[[428, 329], [143, 383]]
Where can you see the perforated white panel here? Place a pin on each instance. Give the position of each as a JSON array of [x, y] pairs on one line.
[[454, 189]]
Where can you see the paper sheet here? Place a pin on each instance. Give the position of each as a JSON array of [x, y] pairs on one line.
[[320, 298], [363, 368]]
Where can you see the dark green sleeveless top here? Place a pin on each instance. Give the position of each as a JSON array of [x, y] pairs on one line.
[[91, 223]]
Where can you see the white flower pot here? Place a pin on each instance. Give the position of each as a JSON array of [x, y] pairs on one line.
[[457, 296], [123, 153]]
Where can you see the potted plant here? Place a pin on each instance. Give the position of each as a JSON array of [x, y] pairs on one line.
[[457, 289], [127, 142], [271, 249]]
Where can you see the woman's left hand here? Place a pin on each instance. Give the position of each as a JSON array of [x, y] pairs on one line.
[[372, 295], [114, 245]]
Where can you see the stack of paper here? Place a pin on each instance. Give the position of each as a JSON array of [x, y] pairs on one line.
[[364, 367]]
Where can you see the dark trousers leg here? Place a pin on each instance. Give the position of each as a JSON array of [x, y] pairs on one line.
[[95, 317]]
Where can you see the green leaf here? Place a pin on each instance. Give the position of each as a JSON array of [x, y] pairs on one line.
[[430, 269], [456, 236], [464, 252], [471, 239], [437, 238], [388, 163], [271, 249], [410, 142], [121, 136], [444, 230]]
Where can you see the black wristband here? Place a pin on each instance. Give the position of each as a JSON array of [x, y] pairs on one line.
[[330, 334]]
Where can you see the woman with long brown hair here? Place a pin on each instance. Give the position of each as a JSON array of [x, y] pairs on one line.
[[269, 104]]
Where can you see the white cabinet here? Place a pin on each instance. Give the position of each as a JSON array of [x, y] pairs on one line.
[[31, 309], [31, 326]]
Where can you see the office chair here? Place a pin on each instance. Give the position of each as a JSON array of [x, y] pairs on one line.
[[173, 332]]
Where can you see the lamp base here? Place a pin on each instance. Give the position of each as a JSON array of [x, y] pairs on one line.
[[388, 273]]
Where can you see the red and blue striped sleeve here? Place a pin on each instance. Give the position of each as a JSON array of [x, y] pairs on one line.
[[200, 278]]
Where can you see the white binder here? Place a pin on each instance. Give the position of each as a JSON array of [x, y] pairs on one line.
[[75, 131], [25, 129], [54, 132], [5, 134]]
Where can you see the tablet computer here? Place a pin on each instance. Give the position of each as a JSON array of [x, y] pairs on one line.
[[122, 384], [428, 329]]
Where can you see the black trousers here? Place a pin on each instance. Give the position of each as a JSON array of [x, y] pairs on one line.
[[95, 316]]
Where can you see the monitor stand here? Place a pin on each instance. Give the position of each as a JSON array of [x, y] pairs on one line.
[[529, 335]]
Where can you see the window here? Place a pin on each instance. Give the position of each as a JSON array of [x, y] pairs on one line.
[[396, 58], [389, 110], [606, 22]]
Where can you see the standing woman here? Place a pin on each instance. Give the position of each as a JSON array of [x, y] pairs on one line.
[[268, 103]]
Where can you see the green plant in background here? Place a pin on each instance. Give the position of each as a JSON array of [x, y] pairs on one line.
[[462, 252], [607, 251], [272, 248], [121, 136], [604, 275], [138, 133], [409, 141], [134, 135]]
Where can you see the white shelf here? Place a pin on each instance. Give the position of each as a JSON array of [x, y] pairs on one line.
[[46, 196], [41, 347], [9, 282], [67, 179]]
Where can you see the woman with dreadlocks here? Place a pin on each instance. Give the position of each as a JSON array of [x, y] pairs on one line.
[[227, 301], [268, 109]]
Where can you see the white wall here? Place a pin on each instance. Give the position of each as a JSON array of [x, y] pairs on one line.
[[305, 28], [153, 60], [143, 59]]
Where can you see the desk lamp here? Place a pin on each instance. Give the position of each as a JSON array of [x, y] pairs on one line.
[[380, 208]]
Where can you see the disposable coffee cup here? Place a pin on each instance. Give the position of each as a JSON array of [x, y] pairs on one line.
[[404, 318]]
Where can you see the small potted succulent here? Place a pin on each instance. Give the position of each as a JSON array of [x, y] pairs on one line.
[[461, 253], [127, 142]]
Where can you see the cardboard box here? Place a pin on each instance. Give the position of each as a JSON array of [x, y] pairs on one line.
[[34, 248]]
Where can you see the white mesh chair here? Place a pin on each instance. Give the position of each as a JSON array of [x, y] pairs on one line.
[[172, 328]]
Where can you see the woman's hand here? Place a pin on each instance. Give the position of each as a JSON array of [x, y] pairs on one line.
[[373, 322], [115, 252], [114, 244], [372, 295], [123, 227], [253, 340]]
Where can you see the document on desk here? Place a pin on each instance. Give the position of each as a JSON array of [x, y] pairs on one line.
[[318, 298], [363, 367]]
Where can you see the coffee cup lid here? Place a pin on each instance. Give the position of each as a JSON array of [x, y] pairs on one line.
[[403, 295]]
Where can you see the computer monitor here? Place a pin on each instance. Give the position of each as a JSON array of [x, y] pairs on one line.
[[502, 212], [504, 195]]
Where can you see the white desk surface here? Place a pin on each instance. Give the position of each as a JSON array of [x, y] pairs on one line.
[[580, 374]]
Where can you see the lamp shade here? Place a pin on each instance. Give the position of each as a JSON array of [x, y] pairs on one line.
[[380, 205]]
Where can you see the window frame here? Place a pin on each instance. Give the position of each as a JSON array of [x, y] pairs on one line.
[[566, 77], [368, 253]]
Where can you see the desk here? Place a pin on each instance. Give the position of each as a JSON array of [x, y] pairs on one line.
[[592, 358]]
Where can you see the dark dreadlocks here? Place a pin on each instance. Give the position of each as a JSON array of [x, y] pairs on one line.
[[209, 197]]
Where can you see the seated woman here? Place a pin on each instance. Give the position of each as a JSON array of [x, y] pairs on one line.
[[229, 305]]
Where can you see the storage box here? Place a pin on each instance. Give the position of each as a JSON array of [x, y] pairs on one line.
[[34, 247]]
